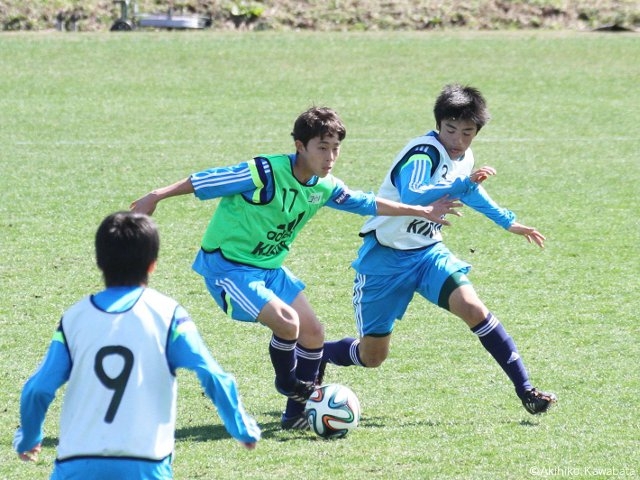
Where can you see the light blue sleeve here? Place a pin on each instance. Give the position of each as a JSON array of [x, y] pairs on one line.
[[187, 350], [413, 181], [38, 393], [352, 201], [222, 181], [479, 200]]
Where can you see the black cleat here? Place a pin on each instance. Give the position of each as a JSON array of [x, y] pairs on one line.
[[300, 392], [535, 401], [297, 422]]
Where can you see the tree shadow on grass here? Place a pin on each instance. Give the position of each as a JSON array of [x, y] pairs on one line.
[[383, 422], [197, 433], [270, 429], [202, 433], [50, 442], [208, 432]]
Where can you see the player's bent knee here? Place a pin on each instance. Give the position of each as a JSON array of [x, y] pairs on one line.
[[291, 331], [315, 330], [281, 319], [311, 337], [373, 359], [283, 328], [373, 363], [373, 351]]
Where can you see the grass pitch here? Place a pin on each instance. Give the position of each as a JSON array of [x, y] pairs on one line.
[[90, 122]]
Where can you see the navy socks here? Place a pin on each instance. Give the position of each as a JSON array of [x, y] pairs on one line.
[[283, 359], [306, 370], [342, 352], [501, 346], [492, 335]]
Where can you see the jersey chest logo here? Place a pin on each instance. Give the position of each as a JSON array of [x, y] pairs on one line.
[[315, 198], [278, 238]]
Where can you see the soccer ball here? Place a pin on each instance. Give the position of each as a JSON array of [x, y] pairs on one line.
[[332, 410]]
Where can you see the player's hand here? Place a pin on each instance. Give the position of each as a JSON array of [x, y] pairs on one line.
[[248, 445], [146, 204], [531, 234], [31, 455], [482, 174], [441, 207]]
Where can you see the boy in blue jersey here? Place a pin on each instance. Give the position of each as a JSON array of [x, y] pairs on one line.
[[118, 351], [405, 255], [265, 202]]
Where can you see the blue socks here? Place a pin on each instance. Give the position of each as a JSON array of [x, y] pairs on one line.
[[500, 345]]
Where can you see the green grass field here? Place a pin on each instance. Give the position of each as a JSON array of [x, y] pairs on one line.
[[90, 122]]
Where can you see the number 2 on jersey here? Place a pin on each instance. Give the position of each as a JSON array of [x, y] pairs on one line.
[[117, 383]]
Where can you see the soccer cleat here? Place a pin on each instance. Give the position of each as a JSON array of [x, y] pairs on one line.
[[300, 392], [321, 370], [535, 401], [297, 422]]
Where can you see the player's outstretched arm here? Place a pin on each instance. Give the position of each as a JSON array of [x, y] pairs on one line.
[[481, 174], [531, 234], [434, 212], [149, 202], [37, 394], [188, 350]]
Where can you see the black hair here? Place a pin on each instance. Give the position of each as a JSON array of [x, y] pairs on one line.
[[318, 122], [460, 102], [126, 244]]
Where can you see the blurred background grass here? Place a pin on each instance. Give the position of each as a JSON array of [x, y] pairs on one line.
[[90, 122]]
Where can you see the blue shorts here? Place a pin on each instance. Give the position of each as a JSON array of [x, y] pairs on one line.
[[97, 468], [241, 291], [379, 299]]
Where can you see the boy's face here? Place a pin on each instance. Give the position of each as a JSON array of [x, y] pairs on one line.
[[317, 158], [456, 136]]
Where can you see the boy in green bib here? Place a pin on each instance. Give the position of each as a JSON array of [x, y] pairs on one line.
[[264, 203]]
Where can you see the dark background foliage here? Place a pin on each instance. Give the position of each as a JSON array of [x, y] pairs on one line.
[[333, 15]]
